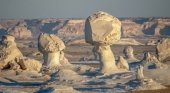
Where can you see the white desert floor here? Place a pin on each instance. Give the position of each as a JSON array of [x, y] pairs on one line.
[[81, 79], [78, 79]]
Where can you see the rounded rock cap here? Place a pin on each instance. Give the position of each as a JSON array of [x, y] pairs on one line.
[[50, 43], [102, 28], [128, 49]]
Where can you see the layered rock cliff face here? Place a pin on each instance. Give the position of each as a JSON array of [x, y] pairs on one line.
[[131, 28], [72, 28], [157, 27], [20, 31], [66, 28], [5, 24], [146, 26]]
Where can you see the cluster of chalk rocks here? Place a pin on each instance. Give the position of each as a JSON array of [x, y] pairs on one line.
[[12, 58], [101, 31]]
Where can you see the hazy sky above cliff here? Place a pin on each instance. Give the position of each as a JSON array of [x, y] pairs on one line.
[[82, 8]]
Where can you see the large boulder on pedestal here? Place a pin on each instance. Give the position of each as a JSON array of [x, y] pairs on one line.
[[102, 28]]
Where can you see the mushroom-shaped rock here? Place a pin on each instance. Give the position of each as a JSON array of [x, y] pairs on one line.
[[128, 51], [122, 63], [51, 47], [103, 30], [163, 49]]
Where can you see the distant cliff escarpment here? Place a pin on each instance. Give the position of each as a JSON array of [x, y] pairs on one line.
[[70, 28]]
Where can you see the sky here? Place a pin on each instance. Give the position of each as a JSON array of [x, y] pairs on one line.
[[82, 8]]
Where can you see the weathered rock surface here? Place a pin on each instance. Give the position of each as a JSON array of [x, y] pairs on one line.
[[151, 62], [144, 83], [31, 64], [103, 29], [9, 52], [12, 58], [129, 55], [163, 50], [149, 84], [139, 73], [122, 63]]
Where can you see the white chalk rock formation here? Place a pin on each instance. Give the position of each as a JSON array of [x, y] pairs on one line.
[[12, 58], [103, 30], [9, 53], [30, 64], [149, 84], [163, 50], [139, 75], [146, 83], [122, 63], [52, 48], [129, 55], [151, 59]]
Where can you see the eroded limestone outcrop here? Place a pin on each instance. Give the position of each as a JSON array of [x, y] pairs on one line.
[[103, 30], [145, 83], [12, 58], [163, 50], [30, 64], [9, 53], [122, 63], [150, 61], [139, 75], [129, 55]]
